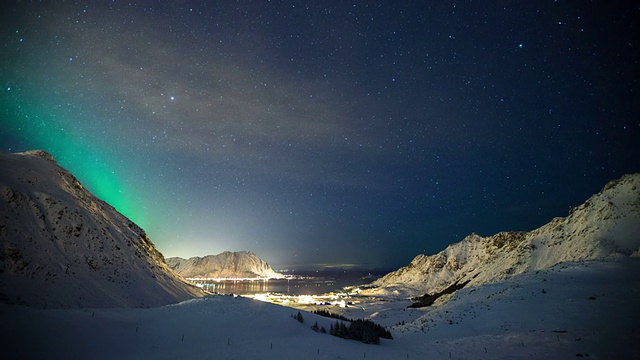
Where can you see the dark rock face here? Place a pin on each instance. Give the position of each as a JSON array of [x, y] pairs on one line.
[[428, 300]]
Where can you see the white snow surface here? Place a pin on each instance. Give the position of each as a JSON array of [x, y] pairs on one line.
[[568, 289], [581, 308], [60, 246], [240, 264], [606, 226]]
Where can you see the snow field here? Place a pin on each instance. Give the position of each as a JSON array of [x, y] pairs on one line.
[[220, 327], [587, 308]]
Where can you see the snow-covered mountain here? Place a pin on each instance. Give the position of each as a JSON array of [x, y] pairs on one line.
[[242, 264], [607, 225], [63, 247], [572, 309]]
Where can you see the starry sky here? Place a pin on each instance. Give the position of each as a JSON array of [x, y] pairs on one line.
[[326, 132]]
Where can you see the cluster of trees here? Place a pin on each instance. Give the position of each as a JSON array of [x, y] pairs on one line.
[[358, 329], [362, 330], [298, 317], [325, 313], [316, 328]]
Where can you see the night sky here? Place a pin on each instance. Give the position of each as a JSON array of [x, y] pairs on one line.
[[328, 132]]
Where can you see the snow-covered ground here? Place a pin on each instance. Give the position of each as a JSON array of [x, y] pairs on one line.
[[587, 308], [583, 308]]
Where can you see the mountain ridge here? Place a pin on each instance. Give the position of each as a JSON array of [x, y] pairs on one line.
[[64, 247], [241, 264], [605, 226]]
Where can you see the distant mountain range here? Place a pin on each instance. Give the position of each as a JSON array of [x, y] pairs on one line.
[[243, 264], [63, 247], [606, 226]]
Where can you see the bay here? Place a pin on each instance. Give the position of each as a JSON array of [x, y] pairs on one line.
[[311, 282]]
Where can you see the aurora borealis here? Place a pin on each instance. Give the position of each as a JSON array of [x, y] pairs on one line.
[[326, 132]]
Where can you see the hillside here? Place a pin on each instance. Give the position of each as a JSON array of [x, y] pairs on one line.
[[63, 247], [605, 226], [242, 264], [586, 309]]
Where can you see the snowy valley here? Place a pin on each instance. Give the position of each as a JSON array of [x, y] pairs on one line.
[[79, 280], [574, 309]]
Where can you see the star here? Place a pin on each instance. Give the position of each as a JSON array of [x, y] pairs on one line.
[[357, 110]]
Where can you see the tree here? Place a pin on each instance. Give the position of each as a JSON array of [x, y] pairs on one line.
[[343, 331], [299, 317], [315, 327]]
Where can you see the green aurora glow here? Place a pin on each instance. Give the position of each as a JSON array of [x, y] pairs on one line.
[[43, 125], [325, 133]]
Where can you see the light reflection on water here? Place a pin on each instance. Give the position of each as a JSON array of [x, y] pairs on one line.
[[309, 284], [284, 286]]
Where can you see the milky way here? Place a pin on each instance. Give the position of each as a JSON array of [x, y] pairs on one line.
[[326, 133]]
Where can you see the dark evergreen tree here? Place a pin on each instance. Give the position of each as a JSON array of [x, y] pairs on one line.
[[338, 329], [344, 332], [315, 327]]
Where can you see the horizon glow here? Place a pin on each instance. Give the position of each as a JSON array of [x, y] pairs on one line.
[[363, 135]]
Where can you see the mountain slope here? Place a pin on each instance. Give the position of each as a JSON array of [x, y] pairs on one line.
[[243, 264], [587, 308], [607, 225], [63, 247]]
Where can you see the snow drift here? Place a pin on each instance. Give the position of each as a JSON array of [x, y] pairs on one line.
[[63, 247]]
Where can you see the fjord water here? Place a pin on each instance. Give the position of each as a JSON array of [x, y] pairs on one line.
[[303, 282]]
